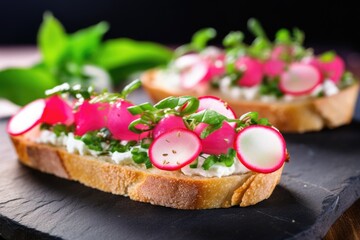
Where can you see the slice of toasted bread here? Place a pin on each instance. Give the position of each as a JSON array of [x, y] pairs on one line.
[[165, 188], [300, 116]]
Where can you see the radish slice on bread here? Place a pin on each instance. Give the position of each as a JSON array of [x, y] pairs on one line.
[[218, 105], [53, 110], [27, 118], [299, 79], [175, 149], [194, 75], [260, 148]]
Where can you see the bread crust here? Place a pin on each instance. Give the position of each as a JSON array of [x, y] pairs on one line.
[[165, 188], [296, 116]]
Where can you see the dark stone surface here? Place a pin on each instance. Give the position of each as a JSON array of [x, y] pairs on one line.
[[321, 181]]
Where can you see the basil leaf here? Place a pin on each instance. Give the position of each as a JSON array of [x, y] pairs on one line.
[[85, 42], [207, 116], [22, 86], [202, 37], [188, 104], [52, 40], [122, 52]]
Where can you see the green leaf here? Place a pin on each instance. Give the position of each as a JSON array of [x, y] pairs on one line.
[[130, 88], [299, 36], [22, 86], [327, 56], [202, 37], [121, 52], [233, 39], [187, 104], [85, 42], [255, 28], [209, 161], [52, 40], [283, 36], [260, 48]]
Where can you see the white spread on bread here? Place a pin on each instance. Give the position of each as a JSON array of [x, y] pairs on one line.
[[74, 145], [217, 170]]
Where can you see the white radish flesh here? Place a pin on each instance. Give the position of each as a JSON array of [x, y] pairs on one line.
[[174, 149], [299, 79], [218, 105], [27, 118], [194, 75], [260, 148]]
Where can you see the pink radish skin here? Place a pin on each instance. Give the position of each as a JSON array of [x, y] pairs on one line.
[[273, 67], [27, 118], [217, 66], [252, 71], [299, 79], [91, 117], [119, 120], [332, 70], [219, 141], [58, 111], [174, 149], [260, 148], [218, 105], [168, 123], [281, 51]]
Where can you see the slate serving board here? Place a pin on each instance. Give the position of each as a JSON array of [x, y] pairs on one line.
[[321, 181]]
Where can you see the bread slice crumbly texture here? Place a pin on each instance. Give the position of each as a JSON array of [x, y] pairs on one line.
[[299, 116], [158, 187]]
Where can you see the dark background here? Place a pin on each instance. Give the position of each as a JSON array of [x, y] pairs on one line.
[[173, 22]]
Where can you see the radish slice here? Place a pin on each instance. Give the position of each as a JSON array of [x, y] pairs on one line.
[[119, 120], [91, 117], [299, 79], [274, 67], [252, 71], [186, 61], [58, 111], [332, 70], [168, 123], [260, 148], [218, 105], [194, 75], [174, 149], [27, 118], [219, 141]]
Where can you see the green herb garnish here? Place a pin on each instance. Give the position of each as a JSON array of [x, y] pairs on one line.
[[226, 159]]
